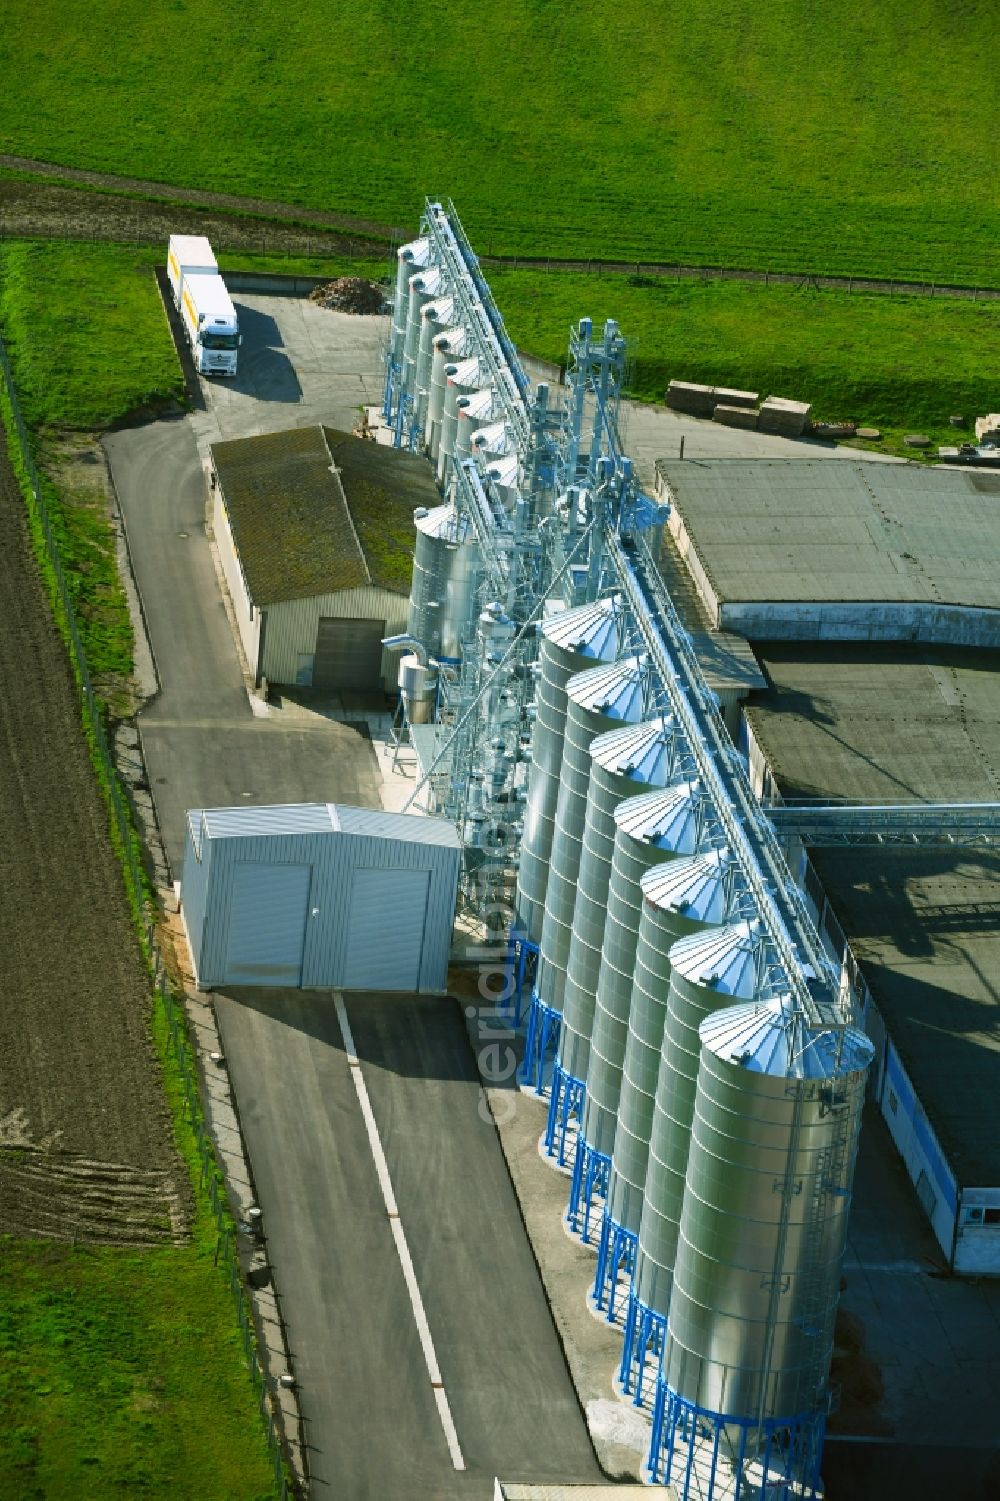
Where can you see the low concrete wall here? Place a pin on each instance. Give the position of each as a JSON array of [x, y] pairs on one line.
[[763, 620], [270, 284]]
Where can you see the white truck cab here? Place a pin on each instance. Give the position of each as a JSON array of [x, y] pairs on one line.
[[206, 308]]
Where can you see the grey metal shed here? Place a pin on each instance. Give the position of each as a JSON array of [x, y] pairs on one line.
[[319, 895]]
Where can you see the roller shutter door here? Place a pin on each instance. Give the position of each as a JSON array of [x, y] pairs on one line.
[[385, 935], [348, 653], [267, 924]]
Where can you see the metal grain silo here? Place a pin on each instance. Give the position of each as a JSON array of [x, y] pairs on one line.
[[443, 603], [435, 318], [623, 764], [472, 411], [597, 701], [409, 259], [424, 287], [699, 889], [661, 924], [448, 348], [743, 1392], [462, 377], [708, 971], [571, 641]]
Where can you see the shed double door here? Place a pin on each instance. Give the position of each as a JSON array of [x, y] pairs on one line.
[[268, 910], [348, 654]]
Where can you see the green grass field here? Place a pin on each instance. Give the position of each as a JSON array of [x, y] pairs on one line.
[[122, 1372], [843, 137], [903, 364]]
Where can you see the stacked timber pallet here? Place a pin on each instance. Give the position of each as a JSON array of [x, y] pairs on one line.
[[988, 428], [695, 401], [736, 408], [742, 417], [790, 419]]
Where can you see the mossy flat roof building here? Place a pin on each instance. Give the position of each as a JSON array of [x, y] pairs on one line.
[[315, 534], [809, 550]]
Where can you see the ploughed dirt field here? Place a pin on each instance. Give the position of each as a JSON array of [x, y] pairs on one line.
[[86, 1150], [48, 210]]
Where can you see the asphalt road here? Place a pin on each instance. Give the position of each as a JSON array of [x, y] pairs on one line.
[[202, 744], [372, 1426]]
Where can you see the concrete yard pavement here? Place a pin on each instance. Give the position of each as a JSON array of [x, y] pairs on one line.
[[372, 1427], [299, 364], [932, 1338]]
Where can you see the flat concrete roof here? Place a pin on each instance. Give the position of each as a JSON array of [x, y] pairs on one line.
[[806, 530], [887, 723]]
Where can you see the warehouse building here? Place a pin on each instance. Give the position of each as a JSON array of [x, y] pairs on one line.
[[319, 895], [315, 534], [887, 721], [809, 550]]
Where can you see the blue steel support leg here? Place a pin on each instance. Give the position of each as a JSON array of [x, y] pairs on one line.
[[393, 392], [645, 1336], [565, 1106], [615, 1257], [527, 963], [687, 1444], [590, 1182], [540, 1043]]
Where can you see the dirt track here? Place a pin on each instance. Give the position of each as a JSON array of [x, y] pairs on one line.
[[126, 209], [85, 1141]]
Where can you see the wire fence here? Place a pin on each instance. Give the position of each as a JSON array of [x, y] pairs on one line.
[[128, 848]]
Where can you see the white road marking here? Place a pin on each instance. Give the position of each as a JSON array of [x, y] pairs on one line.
[[402, 1249]]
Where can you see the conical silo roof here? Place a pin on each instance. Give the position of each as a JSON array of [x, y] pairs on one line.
[[590, 630], [617, 691], [702, 886], [645, 753], [774, 1039], [679, 818], [444, 523]]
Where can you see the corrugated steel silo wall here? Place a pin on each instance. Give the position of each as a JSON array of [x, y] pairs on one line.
[[659, 930], [707, 971], [592, 635], [651, 755], [624, 705], [632, 858]]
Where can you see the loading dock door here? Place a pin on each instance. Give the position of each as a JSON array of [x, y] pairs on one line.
[[348, 654], [385, 935], [267, 924]]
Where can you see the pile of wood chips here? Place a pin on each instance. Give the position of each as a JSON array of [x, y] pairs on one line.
[[349, 294]]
